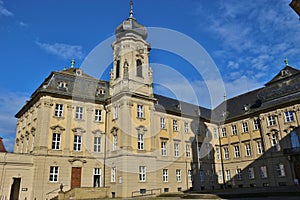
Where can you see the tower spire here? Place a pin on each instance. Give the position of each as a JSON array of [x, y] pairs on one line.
[[131, 10]]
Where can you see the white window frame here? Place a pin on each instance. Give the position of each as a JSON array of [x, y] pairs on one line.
[[165, 175], [239, 175], [247, 149], [77, 145], [98, 115], [218, 155], [79, 112], [53, 174], [162, 123], [234, 129], [256, 124], [141, 141], [280, 170], [274, 141], [245, 127], [186, 127], [56, 141], [142, 173], [271, 120], [228, 175], [176, 149], [178, 175], [115, 112], [97, 144], [59, 108], [289, 117], [226, 153], [251, 174], [263, 171], [98, 172], [164, 148], [113, 174], [188, 150], [190, 176], [237, 153], [220, 176], [140, 111], [115, 143], [223, 131], [175, 125], [259, 147]]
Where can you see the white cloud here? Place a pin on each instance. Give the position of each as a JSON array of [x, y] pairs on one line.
[[22, 24], [4, 11], [65, 51]]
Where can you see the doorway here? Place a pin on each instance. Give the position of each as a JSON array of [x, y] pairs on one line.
[[76, 177], [15, 189]]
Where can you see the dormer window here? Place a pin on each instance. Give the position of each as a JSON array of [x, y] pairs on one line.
[[100, 91], [62, 84], [78, 72]]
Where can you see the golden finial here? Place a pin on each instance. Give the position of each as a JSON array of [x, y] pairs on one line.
[[286, 61]]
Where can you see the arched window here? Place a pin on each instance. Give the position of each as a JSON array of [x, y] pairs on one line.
[[118, 69], [294, 139], [139, 68]]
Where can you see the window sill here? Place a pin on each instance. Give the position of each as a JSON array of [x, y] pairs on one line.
[[141, 118]]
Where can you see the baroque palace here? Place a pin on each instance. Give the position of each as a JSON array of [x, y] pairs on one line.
[[81, 137]]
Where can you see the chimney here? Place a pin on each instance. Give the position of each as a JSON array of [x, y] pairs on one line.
[[2, 147]]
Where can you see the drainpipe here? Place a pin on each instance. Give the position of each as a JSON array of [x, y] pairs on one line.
[[222, 163], [104, 158]]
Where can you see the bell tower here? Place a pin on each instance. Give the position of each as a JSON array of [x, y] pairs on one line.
[[131, 72]]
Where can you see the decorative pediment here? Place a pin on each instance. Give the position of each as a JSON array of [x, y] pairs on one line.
[[114, 131], [98, 131], [141, 128], [78, 130], [77, 159], [57, 128]]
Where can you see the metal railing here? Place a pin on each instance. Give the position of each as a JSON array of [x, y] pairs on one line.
[[146, 192]]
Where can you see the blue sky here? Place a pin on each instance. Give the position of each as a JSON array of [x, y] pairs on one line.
[[247, 40]]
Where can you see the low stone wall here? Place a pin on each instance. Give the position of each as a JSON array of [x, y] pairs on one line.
[[84, 193]]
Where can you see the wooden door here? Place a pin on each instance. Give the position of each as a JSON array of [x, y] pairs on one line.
[[76, 177]]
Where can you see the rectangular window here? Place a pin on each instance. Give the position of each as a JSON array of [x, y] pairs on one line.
[[97, 177], [175, 125], [115, 112], [248, 149], [251, 173], [228, 176], [274, 141], [186, 127], [162, 123], [176, 149], [263, 172], [115, 142], [271, 120], [280, 170], [223, 132], [58, 110], [178, 175], [53, 175], [188, 150], [98, 115], [79, 113], [190, 177], [245, 127], [55, 141], [256, 124], [236, 151], [77, 143], [226, 153], [140, 111], [140, 141], [97, 144], [216, 133], [163, 148], [220, 176], [165, 175], [113, 174], [289, 116], [239, 175], [142, 173], [259, 147], [234, 130], [218, 157]]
